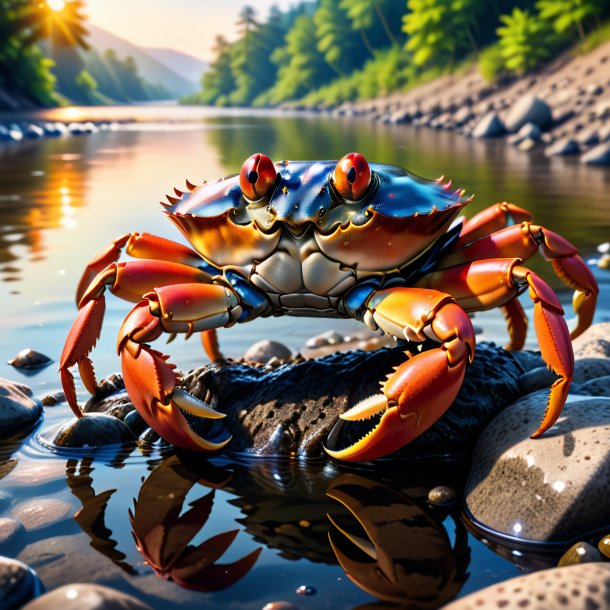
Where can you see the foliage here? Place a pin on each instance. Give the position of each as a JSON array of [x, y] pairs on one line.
[[491, 63], [567, 14], [525, 40]]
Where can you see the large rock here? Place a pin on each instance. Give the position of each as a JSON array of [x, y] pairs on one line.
[[594, 342], [86, 597], [19, 411], [528, 109], [18, 584], [550, 489], [266, 350], [562, 148], [490, 126], [580, 587]]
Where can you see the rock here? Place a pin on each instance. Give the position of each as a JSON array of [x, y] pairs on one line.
[[529, 131], [596, 387], [135, 423], [563, 147], [604, 248], [594, 89], [587, 369], [15, 133], [33, 131], [400, 116], [600, 155], [331, 337], [41, 512], [588, 137], [490, 126], [604, 546], [593, 343], [92, 430], [462, 116], [30, 359], [603, 262], [280, 606], [263, 351], [33, 475], [80, 596], [581, 552], [536, 379], [528, 109], [442, 496], [18, 584], [549, 489], [527, 144], [579, 587], [306, 590], [19, 412], [50, 400], [10, 530]]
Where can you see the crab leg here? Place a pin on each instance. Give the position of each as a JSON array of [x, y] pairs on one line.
[[149, 379], [491, 283], [522, 241], [421, 389], [127, 280]]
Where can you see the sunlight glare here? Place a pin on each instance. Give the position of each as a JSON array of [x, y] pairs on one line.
[[56, 5]]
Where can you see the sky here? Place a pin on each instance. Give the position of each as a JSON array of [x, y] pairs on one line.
[[185, 25]]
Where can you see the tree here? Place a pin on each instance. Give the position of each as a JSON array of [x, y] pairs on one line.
[[364, 13], [565, 14], [218, 81], [524, 41]]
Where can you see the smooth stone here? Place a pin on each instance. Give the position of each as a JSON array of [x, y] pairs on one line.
[[18, 584], [50, 400], [490, 126], [442, 496], [34, 131], [528, 144], [80, 596], [5, 501], [18, 410], [30, 359], [593, 343], [536, 379], [579, 587], [588, 137], [529, 131], [586, 369], [528, 109], [550, 489], [92, 430], [603, 262], [263, 351], [600, 155], [563, 147], [604, 546], [135, 423], [581, 552], [41, 512], [32, 475], [596, 387], [9, 530]]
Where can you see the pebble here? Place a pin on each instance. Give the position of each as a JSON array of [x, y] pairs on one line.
[[306, 590], [18, 584], [80, 596], [604, 546], [600, 155], [528, 144], [579, 587], [490, 126], [331, 337], [30, 359], [549, 489], [528, 109], [41, 512], [92, 430], [18, 410], [50, 400], [442, 496], [581, 552], [563, 147], [603, 262], [31, 474], [9, 530], [263, 351]]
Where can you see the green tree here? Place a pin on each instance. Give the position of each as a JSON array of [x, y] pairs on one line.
[[524, 40], [218, 81], [363, 13], [566, 14]]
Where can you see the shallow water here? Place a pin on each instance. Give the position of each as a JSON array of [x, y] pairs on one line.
[[62, 200]]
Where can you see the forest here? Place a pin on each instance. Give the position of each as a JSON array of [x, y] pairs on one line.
[[45, 59], [330, 51]]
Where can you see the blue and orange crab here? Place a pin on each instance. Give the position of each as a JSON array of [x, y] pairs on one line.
[[329, 239]]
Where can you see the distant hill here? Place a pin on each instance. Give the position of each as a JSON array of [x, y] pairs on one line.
[[185, 65], [151, 69]]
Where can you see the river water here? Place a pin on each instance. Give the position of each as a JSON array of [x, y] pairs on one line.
[[62, 200]]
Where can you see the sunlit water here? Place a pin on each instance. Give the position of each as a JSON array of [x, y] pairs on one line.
[[62, 200]]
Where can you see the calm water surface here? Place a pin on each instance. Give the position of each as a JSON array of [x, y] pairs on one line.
[[62, 200]]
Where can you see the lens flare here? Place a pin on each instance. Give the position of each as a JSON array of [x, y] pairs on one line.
[[56, 5]]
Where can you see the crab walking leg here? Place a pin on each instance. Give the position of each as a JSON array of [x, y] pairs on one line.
[[522, 241], [489, 221], [137, 245], [516, 324], [127, 280], [491, 283], [421, 389], [150, 380]]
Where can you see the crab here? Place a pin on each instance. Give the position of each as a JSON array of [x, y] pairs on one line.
[[341, 239]]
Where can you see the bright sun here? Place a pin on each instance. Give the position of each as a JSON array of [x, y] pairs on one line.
[[56, 5]]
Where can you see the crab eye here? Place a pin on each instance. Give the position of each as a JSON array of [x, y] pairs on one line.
[[352, 176], [257, 176]]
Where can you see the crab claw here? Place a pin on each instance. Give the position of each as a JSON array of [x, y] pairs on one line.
[[420, 390], [151, 383]]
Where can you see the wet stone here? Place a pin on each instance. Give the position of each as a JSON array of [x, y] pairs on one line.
[[19, 412], [86, 597], [604, 546], [30, 359], [41, 512], [578, 587], [33, 475], [264, 351], [10, 530], [135, 423], [50, 400], [92, 430], [442, 496], [18, 584], [581, 552]]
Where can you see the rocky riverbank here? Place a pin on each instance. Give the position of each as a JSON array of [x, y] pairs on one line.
[[562, 109]]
